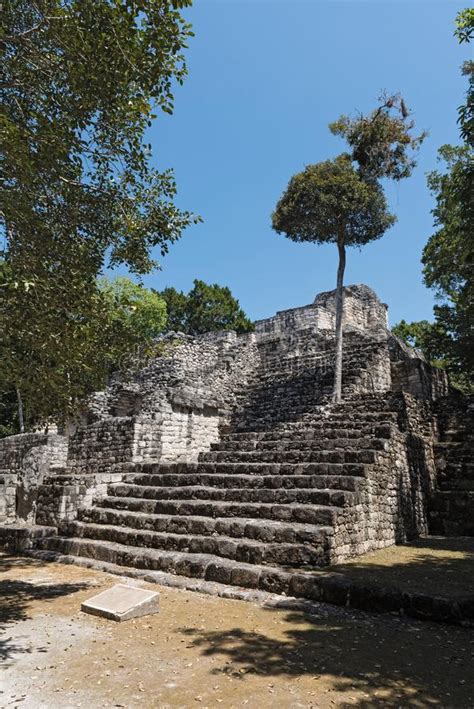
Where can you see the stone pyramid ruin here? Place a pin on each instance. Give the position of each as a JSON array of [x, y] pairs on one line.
[[224, 459]]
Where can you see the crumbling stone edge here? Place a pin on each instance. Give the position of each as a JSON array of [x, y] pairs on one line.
[[298, 591]]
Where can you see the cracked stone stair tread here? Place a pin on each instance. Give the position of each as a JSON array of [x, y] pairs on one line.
[[269, 529], [333, 456], [259, 509], [207, 566], [238, 549], [325, 496], [351, 469], [309, 434], [349, 483], [302, 445]]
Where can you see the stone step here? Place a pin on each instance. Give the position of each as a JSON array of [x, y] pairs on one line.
[[455, 469], [316, 431], [264, 530], [296, 403], [318, 482], [315, 361], [319, 515], [449, 446], [304, 420], [459, 454], [205, 566], [460, 483], [252, 468], [302, 444], [451, 513], [250, 551], [366, 456], [337, 498], [314, 366], [459, 435]]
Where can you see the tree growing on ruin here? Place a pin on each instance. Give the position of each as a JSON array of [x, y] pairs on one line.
[[341, 201]]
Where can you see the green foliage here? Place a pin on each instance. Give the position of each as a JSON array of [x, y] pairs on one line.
[[435, 342], [54, 352], [91, 333], [448, 257], [466, 111], [204, 309], [425, 336], [465, 25], [8, 411], [138, 310], [176, 308], [331, 202], [382, 142], [80, 82]]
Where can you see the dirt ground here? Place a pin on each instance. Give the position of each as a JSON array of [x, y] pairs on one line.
[[204, 651], [440, 565]]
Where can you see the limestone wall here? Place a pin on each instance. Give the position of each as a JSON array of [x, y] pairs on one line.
[[362, 311], [97, 447], [24, 461], [394, 497], [413, 374], [60, 496]]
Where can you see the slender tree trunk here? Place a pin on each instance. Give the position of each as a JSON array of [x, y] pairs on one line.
[[337, 392], [21, 419]]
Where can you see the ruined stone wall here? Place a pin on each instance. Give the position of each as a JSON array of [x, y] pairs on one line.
[[393, 505], [362, 311], [24, 460], [8, 483], [171, 409], [411, 372], [97, 447], [60, 496]]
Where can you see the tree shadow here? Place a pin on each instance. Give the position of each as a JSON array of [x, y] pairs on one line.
[[390, 662], [435, 566], [16, 597]]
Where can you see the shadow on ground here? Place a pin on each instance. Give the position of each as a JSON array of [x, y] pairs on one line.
[[16, 597], [439, 566], [394, 663]]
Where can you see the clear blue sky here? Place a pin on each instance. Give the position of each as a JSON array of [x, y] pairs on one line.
[[265, 79]]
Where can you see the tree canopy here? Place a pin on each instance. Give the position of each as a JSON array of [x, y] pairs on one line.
[[425, 336], [448, 257], [382, 142], [81, 81], [140, 311], [205, 308], [331, 202]]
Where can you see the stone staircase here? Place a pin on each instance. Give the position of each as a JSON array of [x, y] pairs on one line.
[[290, 383], [297, 494], [452, 505]]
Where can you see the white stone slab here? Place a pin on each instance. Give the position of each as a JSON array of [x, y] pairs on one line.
[[122, 602]]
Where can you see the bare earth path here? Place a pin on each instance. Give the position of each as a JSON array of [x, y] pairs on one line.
[[203, 651]]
